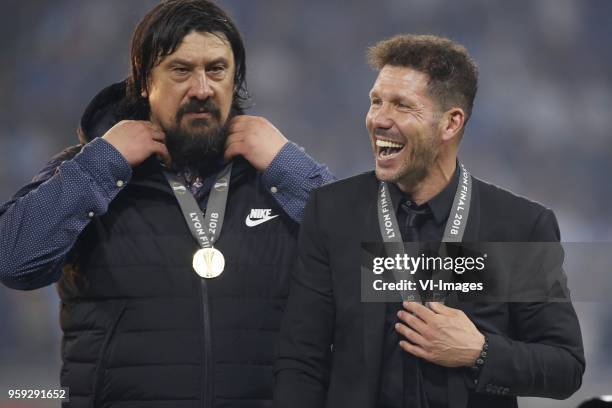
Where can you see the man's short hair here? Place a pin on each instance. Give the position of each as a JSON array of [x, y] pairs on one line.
[[161, 32], [453, 74]]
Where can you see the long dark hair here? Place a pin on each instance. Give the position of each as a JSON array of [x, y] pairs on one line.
[[159, 34]]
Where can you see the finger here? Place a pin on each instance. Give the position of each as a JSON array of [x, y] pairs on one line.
[[419, 310], [414, 350], [441, 308], [413, 322], [232, 151], [159, 137], [233, 138], [238, 118], [235, 146], [248, 124], [239, 123], [155, 131], [236, 124], [152, 125], [161, 151], [411, 335]]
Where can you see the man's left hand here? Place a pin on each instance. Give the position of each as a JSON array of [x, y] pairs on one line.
[[439, 334], [254, 138]]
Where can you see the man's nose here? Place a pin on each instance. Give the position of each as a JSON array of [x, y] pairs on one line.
[[199, 86], [381, 117]]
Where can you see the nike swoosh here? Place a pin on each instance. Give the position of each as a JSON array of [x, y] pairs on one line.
[[254, 223]]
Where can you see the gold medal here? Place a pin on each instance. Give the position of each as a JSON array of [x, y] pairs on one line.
[[208, 262]]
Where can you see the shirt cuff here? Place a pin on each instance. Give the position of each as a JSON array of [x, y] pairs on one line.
[[104, 166], [291, 176]]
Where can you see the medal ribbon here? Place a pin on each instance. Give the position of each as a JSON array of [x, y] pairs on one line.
[[205, 227], [453, 232]]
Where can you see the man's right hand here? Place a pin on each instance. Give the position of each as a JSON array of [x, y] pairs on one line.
[[137, 140]]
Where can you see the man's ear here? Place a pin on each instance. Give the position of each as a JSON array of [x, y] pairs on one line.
[[452, 124], [144, 92]]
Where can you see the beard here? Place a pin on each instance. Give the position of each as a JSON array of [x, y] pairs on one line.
[[198, 144], [422, 155]]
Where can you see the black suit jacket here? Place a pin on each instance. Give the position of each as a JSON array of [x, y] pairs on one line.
[[330, 348]]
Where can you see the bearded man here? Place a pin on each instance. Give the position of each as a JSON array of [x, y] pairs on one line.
[[337, 351], [170, 229]]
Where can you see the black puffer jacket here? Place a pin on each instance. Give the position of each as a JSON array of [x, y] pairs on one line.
[[141, 329]]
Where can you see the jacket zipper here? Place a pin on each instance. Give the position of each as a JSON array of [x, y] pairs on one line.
[[207, 357], [207, 362]]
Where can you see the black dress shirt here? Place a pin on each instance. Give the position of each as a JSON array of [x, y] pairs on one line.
[[408, 382]]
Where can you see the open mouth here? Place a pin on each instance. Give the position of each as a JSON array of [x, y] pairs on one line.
[[387, 149]]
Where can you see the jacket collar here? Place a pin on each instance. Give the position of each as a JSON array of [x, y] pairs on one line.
[[150, 175]]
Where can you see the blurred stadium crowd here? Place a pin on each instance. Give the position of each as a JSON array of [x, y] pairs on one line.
[[541, 123]]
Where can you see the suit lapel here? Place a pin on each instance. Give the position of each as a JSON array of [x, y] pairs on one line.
[[457, 391], [472, 229], [373, 312]]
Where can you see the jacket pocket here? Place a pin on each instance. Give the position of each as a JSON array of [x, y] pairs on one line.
[[103, 356]]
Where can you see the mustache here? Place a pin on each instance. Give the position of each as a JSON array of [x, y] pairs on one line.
[[199, 106], [390, 133]]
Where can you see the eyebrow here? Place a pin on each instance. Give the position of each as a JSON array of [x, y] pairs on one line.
[[220, 60], [395, 97], [187, 63], [180, 61]]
